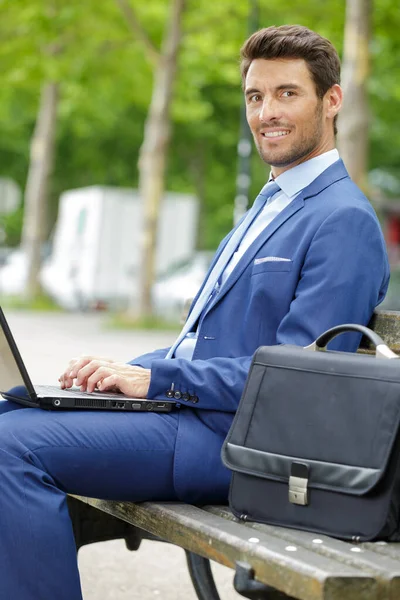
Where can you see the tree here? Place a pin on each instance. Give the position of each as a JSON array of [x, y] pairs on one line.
[[106, 87], [354, 116], [49, 37], [34, 232], [157, 132]]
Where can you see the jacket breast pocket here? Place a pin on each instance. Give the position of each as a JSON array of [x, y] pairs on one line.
[[271, 265]]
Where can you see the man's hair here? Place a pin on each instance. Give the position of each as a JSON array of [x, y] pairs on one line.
[[295, 41]]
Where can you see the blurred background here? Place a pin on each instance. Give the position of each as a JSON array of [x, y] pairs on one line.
[[124, 153], [124, 160]]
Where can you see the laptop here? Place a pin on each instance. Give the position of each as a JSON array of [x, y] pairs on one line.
[[16, 385]]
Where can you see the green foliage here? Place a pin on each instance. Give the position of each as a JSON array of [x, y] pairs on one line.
[[11, 224], [41, 303], [385, 89], [106, 83]]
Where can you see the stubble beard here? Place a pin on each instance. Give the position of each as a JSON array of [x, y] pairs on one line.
[[303, 148]]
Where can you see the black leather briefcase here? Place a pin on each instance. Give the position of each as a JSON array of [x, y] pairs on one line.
[[315, 443]]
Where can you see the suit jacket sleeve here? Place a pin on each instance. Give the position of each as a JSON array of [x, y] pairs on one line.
[[216, 383], [146, 360], [344, 276]]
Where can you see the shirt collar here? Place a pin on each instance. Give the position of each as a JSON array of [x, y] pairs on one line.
[[296, 179]]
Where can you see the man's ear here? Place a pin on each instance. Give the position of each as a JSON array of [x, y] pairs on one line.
[[333, 101]]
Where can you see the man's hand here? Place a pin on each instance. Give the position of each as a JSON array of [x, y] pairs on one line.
[[106, 375], [66, 379]]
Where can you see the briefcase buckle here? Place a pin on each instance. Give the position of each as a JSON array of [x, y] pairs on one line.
[[298, 484]]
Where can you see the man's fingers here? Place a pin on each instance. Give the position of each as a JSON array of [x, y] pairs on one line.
[[131, 381], [97, 376], [80, 363], [90, 373], [119, 382], [75, 365], [65, 382], [110, 383], [83, 375], [67, 378]]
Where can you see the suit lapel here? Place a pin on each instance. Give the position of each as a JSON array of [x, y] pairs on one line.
[[334, 173], [283, 216]]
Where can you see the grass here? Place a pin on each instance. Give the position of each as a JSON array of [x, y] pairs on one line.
[[41, 303], [127, 321]]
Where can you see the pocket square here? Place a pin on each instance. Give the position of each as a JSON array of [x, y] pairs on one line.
[[258, 261]]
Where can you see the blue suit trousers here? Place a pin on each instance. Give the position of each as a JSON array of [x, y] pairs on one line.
[[43, 456]]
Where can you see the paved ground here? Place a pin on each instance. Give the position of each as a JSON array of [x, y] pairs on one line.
[[108, 570]]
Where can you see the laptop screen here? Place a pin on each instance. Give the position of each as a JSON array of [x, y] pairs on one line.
[[12, 382]]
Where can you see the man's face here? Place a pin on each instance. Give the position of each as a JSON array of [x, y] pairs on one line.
[[289, 123]]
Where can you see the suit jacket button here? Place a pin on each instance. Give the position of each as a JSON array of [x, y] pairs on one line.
[[169, 394], [185, 396], [194, 399], [177, 395]]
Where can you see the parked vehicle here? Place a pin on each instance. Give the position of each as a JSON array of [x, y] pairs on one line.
[[176, 288], [95, 252]]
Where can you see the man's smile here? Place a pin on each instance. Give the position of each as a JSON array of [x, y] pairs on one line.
[[275, 134]]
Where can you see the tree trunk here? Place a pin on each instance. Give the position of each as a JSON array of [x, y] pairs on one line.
[[36, 192], [354, 116], [153, 153], [198, 170]]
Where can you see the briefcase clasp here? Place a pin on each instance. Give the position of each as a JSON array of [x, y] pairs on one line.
[[298, 484]]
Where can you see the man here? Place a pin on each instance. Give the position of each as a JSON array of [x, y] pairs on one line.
[[308, 256]]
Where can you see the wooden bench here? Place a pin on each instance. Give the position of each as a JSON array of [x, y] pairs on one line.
[[270, 562]]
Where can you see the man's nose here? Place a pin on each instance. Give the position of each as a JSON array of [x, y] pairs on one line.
[[269, 110]]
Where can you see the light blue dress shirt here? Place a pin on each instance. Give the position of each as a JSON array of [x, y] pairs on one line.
[[291, 182]]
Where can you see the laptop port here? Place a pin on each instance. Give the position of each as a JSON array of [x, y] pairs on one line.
[[116, 404]]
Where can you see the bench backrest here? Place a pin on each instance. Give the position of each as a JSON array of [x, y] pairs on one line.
[[385, 323]]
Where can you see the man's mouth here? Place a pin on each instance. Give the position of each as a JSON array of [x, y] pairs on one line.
[[275, 134]]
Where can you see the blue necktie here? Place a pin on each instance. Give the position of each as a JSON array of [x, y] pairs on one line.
[[268, 190]]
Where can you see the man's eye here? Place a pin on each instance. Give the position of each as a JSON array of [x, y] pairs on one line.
[[255, 98], [288, 94]]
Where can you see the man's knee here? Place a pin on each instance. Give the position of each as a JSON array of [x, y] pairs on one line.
[[20, 432], [8, 406]]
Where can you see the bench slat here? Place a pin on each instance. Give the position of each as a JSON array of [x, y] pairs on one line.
[[368, 557], [303, 574], [391, 550]]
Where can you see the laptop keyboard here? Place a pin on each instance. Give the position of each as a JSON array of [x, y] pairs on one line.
[[54, 391]]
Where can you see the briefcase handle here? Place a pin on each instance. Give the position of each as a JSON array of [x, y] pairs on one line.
[[381, 349]]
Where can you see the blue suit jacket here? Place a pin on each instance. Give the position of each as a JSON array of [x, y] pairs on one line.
[[337, 272]]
